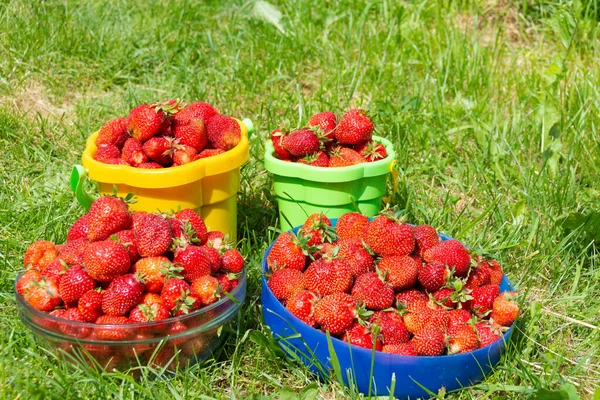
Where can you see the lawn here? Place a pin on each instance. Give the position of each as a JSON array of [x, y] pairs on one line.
[[493, 106]]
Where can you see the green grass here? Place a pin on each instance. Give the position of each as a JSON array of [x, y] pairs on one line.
[[493, 107]]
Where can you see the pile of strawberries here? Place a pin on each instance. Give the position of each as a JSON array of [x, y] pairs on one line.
[[390, 286], [166, 134], [119, 267], [324, 142]]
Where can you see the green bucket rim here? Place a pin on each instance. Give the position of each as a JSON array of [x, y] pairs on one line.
[[326, 174]]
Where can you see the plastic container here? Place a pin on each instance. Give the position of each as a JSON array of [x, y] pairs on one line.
[[303, 189], [208, 185], [193, 339], [414, 376]]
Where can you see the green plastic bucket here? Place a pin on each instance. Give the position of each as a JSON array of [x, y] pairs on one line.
[[302, 189]]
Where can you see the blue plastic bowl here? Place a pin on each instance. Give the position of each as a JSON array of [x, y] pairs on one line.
[[373, 372]]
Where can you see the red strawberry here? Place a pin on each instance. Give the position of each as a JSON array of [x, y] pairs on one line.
[[127, 239], [462, 338], [496, 272], [353, 251], [144, 313], [188, 223], [174, 293], [74, 283], [55, 269], [223, 132], [430, 341], [424, 316], [232, 261], [387, 238], [362, 336], [318, 226], [326, 276], [207, 289], [150, 165], [371, 151], [344, 157], [151, 298], [400, 271], [72, 252], [409, 298], [352, 225], [191, 132], [43, 294], [371, 290], [183, 155], [27, 280], [483, 299], [194, 262], [122, 295], [478, 276], [117, 161], [73, 314], [216, 240], [153, 235], [159, 149], [318, 159], [39, 254], [208, 153], [133, 152], [404, 349], [452, 253], [106, 260], [336, 313], [289, 251], [355, 127], [391, 326], [154, 270], [196, 110], [90, 305], [148, 120], [326, 121], [227, 281], [505, 309], [285, 282], [301, 142], [107, 331], [113, 132], [106, 152], [107, 215], [426, 237], [79, 229], [277, 137], [459, 316], [302, 303], [432, 276], [213, 257], [487, 333]]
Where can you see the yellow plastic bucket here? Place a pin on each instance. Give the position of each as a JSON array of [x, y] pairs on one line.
[[208, 185]]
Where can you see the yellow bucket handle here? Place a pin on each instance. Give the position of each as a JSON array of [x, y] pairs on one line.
[[394, 167]]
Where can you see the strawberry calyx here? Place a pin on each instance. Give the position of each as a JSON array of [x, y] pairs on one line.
[[168, 107], [170, 270]]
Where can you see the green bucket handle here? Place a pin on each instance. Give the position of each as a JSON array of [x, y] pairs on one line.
[[78, 177], [249, 126]]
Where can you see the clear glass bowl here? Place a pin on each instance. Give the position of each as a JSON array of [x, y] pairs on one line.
[[172, 343]]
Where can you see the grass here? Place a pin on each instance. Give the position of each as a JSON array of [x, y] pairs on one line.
[[493, 107]]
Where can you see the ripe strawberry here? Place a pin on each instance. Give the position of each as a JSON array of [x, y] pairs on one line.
[[425, 316], [432, 276], [452, 253], [404, 349], [426, 237], [208, 153], [194, 262], [352, 225], [223, 132], [355, 127], [108, 328], [505, 309], [73, 314], [107, 215], [127, 239], [462, 338], [122, 295], [188, 223], [496, 272], [277, 137], [430, 341], [136, 218], [213, 257], [207, 289], [318, 226], [483, 299], [27, 280], [409, 298], [154, 270], [143, 313], [459, 316], [72, 252], [117, 161], [371, 151], [151, 298], [55, 269], [400, 271], [343, 157], [152, 236], [302, 303], [326, 121], [133, 152], [39, 254], [232, 261], [371, 290], [79, 230], [106, 260], [443, 297], [159, 149], [174, 292], [227, 281], [353, 251], [326, 276], [301, 142], [43, 294], [487, 333], [74, 283], [478, 276], [191, 132], [90, 305], [183, 155], [113, 132], [150, 165], [148, 120], [362, 336], [196, 110], [216, 240], [336, 313], [318, 159], [106, 152], [289, 251], [391, 326], [387, 238]]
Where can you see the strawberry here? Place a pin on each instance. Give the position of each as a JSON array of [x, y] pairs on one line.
[[133, 152], [387, 238], [425, 316], [79, 230], [302, 303], [326, 121], [208, 153], [189, 223], [122, 295], [301, 142], [336, 313], [223, 132], [318, 226], [326, 276], [483, 299], [352, 225], [154, 270], [148, 120], [106, 260], [430, 341], [39, 254], [213, 257], [452, 294], [433, 275], [288, 251], [113, 132], [207, 289], [174, 292], [117, 161], [73, 314], [371, 151], [43, 294], [479, 276], [106, 329], [409, 298], [127, 239], [227, 281], [353, 251], [487, 333], [144, 313], [505, 309], [232, 261], [72, 252], [362, 336], [151, 298], [391, 326], [90, 305], [196, 110], [27, 280], [462, 338], [150, 165], [496, 272], [371, 290], [55, 269], [107, 215], [452, 253], [216, 240], [74, 283], [400, 271], [159, 149], [277, 137], [193, 261], [426, 237], [343, 157], [355, 127], [152, 236], [404, 349], [106, 152], [318, 159], [191, 132], [183, 155], [285, 282]]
